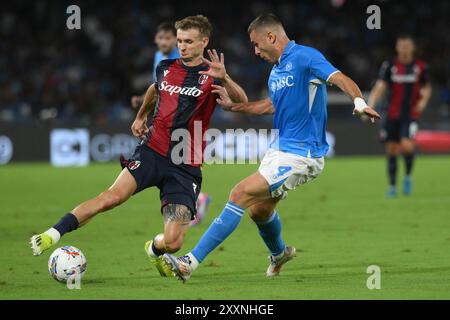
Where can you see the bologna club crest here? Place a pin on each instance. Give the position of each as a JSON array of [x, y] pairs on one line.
[[133, 165], [202, 79]]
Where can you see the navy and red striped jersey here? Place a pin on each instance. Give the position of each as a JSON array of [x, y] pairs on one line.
[[185, 101], [405, 82]]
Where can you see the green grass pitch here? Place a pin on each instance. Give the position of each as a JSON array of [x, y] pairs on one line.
[[341, 223]]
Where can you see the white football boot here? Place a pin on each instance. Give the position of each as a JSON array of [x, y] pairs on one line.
[[276, 263], [181, 267]]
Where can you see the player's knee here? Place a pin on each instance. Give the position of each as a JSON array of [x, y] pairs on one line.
[[238, 193], [393, 149], [407, 147]]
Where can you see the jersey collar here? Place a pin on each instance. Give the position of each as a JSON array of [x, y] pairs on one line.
[[286, 51], [203, 66]]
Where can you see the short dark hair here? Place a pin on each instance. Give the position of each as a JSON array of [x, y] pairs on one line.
[[166, 26], [404, 36], [264, 20], [199, 22]]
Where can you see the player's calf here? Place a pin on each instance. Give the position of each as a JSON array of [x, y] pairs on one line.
[[173, 246], [105, 201], [108, 200], [176, 224]]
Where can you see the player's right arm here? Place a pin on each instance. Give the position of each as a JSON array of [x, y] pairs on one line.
[[139, 126], [259, 107], [379, 89]]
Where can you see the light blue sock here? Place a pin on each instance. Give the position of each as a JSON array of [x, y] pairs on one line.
[[218, 231], [270, 231]]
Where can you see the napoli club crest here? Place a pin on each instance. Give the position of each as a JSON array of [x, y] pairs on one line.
[[133, 165], [202, 79], [289, 66]]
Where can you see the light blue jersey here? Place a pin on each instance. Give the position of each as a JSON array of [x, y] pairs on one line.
[[297, 86], [174, 54]]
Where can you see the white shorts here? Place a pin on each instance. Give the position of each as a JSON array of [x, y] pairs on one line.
[[285, 171]]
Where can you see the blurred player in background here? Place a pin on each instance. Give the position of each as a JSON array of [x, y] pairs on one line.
[[182, 96], [407, 82], [298, 100], [166, 41]]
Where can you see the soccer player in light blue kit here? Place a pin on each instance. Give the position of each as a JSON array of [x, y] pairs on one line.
[[297, 86]]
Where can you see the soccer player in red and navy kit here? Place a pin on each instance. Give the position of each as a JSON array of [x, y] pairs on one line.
[[182, 99], [166, 41], [407, 81]]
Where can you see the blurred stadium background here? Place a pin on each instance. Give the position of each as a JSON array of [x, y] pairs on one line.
[[52, 77]]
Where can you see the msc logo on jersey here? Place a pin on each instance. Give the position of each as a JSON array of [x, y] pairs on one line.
[[287, 81]]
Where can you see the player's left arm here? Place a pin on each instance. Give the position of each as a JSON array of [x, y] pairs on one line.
[[425, 90], [217, 71], [139, 126], [324, 70], [425, 95], [349, 86]]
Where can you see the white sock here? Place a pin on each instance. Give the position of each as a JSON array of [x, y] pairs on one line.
[[194, 261], [280, 255], [150, 251], [54, 234]]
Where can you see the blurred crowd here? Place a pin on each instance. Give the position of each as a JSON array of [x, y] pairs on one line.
[[89, 75]]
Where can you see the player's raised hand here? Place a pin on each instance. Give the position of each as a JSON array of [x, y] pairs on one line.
[[139, 127], [224, 99], [368, 112], [216, 65]]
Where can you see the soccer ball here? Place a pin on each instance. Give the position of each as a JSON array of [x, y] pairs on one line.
[[65, 262]]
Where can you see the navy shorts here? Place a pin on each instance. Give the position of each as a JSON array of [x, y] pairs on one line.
[[178, 184], [395, 130]]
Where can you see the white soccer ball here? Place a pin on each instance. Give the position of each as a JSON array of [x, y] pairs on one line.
[[65, 262]]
